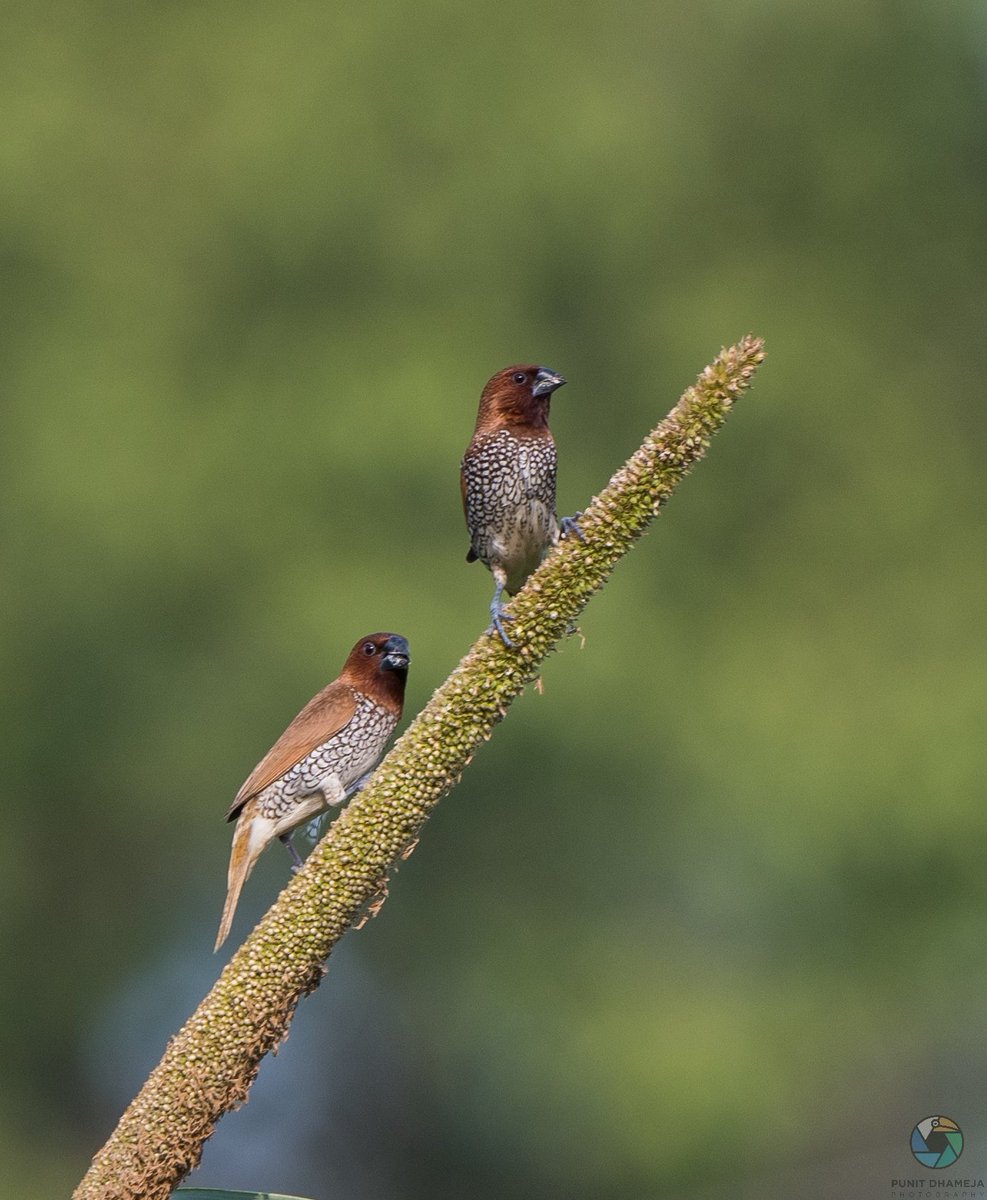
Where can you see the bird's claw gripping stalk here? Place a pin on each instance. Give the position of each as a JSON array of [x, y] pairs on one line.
[[570, 525], [498, 617]]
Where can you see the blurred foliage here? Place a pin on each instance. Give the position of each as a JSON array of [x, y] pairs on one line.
[[710, 909]]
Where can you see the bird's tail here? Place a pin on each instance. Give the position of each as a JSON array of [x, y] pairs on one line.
[[244, 854]]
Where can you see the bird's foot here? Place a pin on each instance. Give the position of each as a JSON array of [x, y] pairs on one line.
[[570, 525], [313, 830], [498, 617], [290, 845]]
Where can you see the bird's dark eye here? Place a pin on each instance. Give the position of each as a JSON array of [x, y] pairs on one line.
[[520, 377], [369, 648]]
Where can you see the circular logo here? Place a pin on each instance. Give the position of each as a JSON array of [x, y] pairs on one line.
[[937, 1142]]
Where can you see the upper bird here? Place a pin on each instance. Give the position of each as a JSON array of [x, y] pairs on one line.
[[322, 757], [508, 481]]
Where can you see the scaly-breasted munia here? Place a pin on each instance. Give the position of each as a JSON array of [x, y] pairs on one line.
[[321, 758], [507, 478]]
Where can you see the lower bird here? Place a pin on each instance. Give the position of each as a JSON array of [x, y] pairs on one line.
[[321, 759], [507, 478]]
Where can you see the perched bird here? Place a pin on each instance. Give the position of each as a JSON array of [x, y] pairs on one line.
[[322, 758], [507, 478]]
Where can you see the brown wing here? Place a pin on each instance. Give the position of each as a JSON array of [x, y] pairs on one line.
[[324, 715]]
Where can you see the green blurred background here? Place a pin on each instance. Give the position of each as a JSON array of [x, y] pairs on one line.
[[705, 919]]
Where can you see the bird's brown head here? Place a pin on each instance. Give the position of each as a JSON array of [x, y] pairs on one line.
[[518, 398], [378, 667]]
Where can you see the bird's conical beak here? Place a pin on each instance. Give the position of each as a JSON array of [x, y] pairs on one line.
[[546, 382], [398, 656]]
